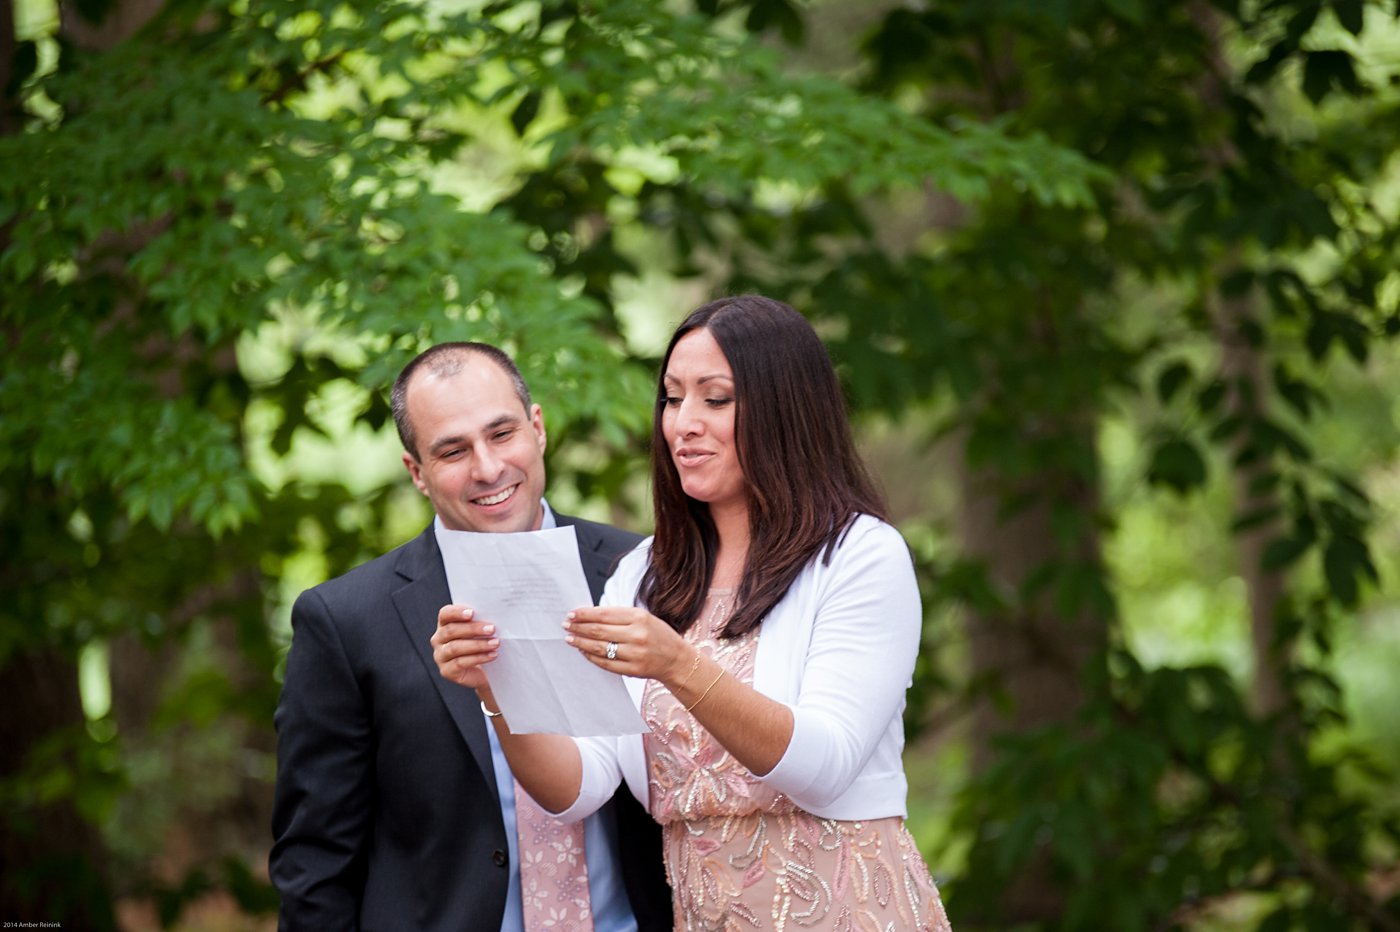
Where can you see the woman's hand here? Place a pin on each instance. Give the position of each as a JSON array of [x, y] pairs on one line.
[[642, 644], [461, 646], [750, 726]]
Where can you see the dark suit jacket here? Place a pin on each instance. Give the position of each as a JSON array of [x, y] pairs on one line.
[[386, 814]]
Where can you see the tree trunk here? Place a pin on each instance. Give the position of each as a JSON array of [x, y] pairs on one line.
[[9, 46], [1242, 368], [121, 19], [51, 859], [1033, 657], [53, 866]]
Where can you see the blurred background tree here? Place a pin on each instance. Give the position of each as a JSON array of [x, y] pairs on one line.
[[1203, 310], [1110, 284], [225, 228]]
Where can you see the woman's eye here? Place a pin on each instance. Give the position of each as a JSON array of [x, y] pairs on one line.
[[718, 402], [670, 401]]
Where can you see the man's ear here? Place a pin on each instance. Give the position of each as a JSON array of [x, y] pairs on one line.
[[415, 471], [537, 422]]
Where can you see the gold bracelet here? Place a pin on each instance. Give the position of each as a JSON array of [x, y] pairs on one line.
[[707, 691], [693, 667], [489, 713]]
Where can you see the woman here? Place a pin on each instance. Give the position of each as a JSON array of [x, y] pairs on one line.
[[771, 626]]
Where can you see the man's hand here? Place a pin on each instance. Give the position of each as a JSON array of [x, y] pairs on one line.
[[461, 646]]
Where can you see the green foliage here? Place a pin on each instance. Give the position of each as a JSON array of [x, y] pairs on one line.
[[1245, 212], [1165, 798], [239, 174], [291, 175], [212, 203]]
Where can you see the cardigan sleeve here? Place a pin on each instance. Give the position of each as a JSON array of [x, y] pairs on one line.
[[848, 714], [601, 775], [606, 761]]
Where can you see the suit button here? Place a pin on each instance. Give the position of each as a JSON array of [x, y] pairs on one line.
[[499, 857]]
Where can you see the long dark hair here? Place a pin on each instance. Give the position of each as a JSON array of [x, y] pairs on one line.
[[805, 481]]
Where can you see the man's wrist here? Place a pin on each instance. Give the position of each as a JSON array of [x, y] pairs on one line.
[[489, 706]]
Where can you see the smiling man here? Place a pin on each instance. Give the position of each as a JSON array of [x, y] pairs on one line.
[[481, 463], [395, 808]]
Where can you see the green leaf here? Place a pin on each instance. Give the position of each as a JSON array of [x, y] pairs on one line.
[[780, 13], [1227, 426], [1237, 283], [1344, 560], [1172, 379], [1351, 14], [525, 112], [1255, 518], [1132, 10], [1265, 69], [1280, 920], [1328, 70], [1302, 21], [1265, 482], [1177, 463], [1282, 552], [1210, 396]]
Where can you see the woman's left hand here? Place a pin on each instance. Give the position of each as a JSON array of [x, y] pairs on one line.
[[641, 644]]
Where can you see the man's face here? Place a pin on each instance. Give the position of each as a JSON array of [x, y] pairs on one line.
[[481, 454]]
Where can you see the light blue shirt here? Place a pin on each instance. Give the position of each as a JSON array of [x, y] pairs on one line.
[[612, 912]]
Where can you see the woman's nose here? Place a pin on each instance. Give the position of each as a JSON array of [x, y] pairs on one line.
[[688, 421]]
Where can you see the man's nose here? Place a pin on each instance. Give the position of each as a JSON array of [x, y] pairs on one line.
[[486, 465]]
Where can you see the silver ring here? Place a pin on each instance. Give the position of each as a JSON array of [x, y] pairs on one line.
[[612, 650]]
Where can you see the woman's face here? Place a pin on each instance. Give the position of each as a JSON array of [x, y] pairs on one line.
[[698, 422]]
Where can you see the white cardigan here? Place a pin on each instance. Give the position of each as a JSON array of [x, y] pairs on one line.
[[839, 651]]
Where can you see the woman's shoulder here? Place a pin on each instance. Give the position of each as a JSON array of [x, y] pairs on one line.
[[869, 532], [867, 542], [621, 588], [634, 562]]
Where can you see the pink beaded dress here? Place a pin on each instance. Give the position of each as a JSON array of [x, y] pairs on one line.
[[741, 856]]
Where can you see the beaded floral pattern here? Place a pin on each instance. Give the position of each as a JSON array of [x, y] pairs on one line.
[[740, 856]]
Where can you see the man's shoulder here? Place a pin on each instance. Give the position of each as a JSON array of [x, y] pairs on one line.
[[602, 537], [372, 573]]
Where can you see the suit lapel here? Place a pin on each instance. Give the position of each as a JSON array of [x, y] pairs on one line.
[[596, 565], [424, 592]]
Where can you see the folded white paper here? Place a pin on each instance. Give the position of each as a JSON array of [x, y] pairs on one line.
[[525, 584]]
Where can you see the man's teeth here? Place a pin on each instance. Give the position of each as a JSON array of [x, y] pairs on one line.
[[497, 498]]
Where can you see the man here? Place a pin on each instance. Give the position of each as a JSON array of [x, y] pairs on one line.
[[394, 805]]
